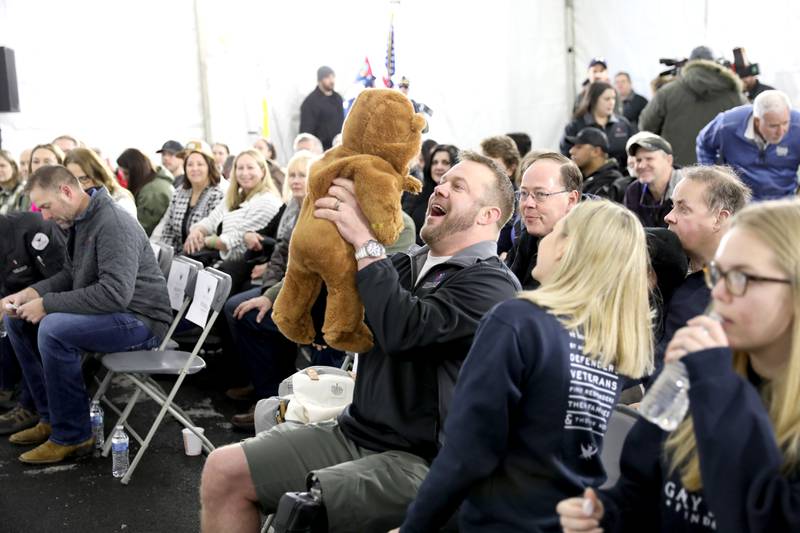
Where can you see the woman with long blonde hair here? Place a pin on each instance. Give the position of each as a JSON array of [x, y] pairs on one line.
[[250, 203], [733, 464], [534, 396]]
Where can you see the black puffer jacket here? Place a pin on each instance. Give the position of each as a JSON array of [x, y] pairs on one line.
[[423, 332], [32, 250], [617, 129], [607, 182]]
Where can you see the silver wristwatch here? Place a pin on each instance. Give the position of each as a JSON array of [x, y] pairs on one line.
[[371, 248]]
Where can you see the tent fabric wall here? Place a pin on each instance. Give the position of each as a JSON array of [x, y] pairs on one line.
[[128, 74]]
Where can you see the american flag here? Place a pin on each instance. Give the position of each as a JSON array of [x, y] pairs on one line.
[[387, 80]]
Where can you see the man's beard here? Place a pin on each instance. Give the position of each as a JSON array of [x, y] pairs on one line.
[[452, 223]]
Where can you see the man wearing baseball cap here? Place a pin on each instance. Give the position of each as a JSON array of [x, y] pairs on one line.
[[650, 195], [601, 174], [596, 71], [169, 160], [322, 113]]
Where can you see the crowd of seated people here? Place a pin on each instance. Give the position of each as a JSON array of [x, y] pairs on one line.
[[530, 291]]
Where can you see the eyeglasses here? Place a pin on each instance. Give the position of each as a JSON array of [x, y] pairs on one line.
[[538, 196], [735, 280], [84, 179]]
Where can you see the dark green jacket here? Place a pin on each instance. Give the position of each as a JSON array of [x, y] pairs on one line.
[[680, 109], [153, 200]]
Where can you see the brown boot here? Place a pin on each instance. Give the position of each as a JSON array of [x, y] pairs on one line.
[[35, 435], [50, 452], [245, 421], [241, 393]]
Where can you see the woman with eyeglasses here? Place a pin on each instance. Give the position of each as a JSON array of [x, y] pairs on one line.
[[536, 391], [733, 464], [93, 173], [597, 110]]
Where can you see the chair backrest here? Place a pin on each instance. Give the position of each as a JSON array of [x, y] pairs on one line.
[[181, 280], [203, 301], [164, 254], [622, 420]]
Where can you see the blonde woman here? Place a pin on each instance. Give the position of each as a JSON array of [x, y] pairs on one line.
[[250, 203], [92, 173], [734, 463], [535, 393]]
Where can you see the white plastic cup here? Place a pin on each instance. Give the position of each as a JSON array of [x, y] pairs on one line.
[[192, 444]]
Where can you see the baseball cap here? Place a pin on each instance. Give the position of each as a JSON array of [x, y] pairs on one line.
[[172, 147], [323, 72], [197, 145], [591, 136], [651, 143], [598, 61]]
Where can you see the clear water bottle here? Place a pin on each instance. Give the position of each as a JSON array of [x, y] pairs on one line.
[[119, 452], [667, 401], [96, 416]]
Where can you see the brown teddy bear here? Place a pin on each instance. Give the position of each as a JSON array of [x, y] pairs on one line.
[[380, 137]]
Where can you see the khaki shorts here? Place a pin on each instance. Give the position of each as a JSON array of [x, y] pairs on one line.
[[362, 490]]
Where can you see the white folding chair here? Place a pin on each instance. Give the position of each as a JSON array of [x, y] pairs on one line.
[[210, 292]]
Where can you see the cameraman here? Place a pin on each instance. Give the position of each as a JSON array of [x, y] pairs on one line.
[[680, 109]]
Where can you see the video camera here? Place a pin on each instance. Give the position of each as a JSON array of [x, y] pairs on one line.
[[674, 64], [741, 66]]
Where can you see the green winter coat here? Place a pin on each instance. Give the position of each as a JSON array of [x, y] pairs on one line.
[[153, 200], [680, 109]]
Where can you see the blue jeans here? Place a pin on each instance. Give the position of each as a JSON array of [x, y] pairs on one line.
[[9, 368], [266, 353], [10, 373], [50, 359]]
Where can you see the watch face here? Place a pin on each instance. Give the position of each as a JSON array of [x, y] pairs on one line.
[[374, 249]]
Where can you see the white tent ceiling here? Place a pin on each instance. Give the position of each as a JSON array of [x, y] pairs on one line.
[[135, 74]]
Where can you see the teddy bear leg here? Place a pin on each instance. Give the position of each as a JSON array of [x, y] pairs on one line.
[[292, 309], [344, 327]]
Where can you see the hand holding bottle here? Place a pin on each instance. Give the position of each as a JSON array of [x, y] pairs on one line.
[[700, 333]]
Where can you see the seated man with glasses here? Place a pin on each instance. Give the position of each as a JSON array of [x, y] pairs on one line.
[[550, 187], [704, 202], [650, 196]]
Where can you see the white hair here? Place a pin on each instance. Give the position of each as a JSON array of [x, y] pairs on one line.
[[769, 102], [317, 149]]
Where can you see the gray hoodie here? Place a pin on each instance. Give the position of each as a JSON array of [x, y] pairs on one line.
[[109, 267]]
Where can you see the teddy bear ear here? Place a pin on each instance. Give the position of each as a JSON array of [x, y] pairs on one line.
[[419, 123]]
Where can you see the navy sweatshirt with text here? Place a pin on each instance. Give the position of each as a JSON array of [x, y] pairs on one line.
[[525, 428], [744, 489]]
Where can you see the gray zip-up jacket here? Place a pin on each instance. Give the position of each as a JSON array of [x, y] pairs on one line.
[[109, 267]]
